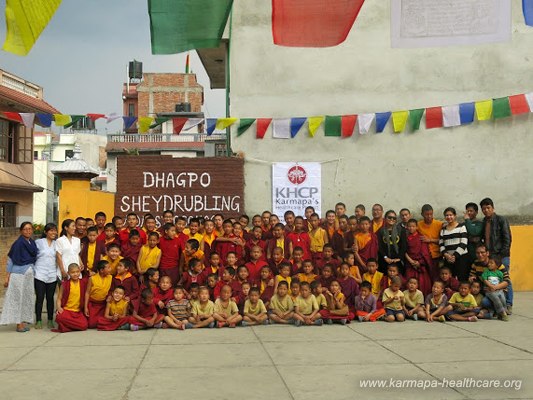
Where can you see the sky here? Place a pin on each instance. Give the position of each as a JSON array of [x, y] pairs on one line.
[[80, 59]]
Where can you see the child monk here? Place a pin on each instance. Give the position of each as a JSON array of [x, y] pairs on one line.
[[366, 304], [91, 249], [300, 238], [98, 288], [113, 257], [70, 302], [337, 310], [145, 316], [149, 256], [367, 244], [373, 276], [318, 237], [281, 305], [418, 259], [203, 310], [226, 312], [306, 311], [255, 312], [255, 264], [116, 312]]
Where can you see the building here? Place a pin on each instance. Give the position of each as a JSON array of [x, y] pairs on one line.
[[16, 155], [51, 149], [163, 95], [444, 167]]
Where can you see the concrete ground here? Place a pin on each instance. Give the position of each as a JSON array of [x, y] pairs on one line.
[[271, 362]]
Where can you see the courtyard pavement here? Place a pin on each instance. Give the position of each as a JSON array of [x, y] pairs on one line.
[[273, 362]]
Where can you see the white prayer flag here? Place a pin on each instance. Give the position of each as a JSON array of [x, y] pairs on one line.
[[281, 128], [365, 121], [451, 116]]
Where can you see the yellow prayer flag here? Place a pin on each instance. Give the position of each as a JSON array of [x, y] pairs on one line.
[[314, 123], [62, 119], [223, 123], [484, 110], [144, 123], [399, 120], [25, 20]]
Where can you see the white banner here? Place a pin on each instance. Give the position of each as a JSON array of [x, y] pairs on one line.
[[296, 186]]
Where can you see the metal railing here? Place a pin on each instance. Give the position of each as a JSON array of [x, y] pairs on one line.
[[162, 137]]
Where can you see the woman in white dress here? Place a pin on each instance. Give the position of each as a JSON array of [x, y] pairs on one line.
[[68, 248], [46, 275], [18, 303]]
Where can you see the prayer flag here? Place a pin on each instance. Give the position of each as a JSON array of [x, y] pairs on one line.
[[158, 121], [180, 25], [296, 125], [145, 123], [501, 107], [484, 110], [313, 23], [211, 125], [415, 116], [518, 104], [15, 116], [529, 98], [25, 20], [73, 120], [191, 123], [94, 117], [348, 124], [27, 119], [451, 116], [111, 117], [129, 121], [381, 121], [244, 124], [223, 123], [281, 128], [314, 123], [433, 117], [365, 122], [466, 112], [61, 119], [333, 125], [399, 120], [527, 7], [262, 126], [45, 120], [178, 124]]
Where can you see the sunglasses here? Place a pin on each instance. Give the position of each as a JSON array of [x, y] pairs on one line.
[[391, 217]]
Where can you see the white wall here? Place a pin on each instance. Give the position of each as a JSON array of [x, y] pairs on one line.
[[445, 167]]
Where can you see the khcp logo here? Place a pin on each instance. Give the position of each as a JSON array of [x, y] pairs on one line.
[[297, 175]]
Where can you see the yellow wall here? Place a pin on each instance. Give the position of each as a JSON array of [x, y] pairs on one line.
[[76, 199], [522, 258]]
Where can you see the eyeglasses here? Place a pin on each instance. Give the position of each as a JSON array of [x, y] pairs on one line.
[[392, 217]]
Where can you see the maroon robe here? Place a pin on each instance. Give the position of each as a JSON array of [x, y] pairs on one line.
[[419, 251], [68, 320]]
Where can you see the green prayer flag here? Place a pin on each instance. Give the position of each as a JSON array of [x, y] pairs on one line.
[[333, 125], [501, 108], [73, 120], [180, 25], [415, 116], [158, 121], [244, 124]]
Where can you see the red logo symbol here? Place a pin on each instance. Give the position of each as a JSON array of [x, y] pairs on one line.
[[297, 175]]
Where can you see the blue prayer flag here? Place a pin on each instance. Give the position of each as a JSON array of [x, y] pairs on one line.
[[381, 121]]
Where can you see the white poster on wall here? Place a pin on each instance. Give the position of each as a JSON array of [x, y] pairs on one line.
[[296, 186], [432, 23]]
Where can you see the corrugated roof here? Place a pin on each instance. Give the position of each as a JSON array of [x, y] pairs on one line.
[[33, 104]]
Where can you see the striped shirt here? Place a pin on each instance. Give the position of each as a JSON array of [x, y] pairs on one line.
[[454, 240], [180, 309]]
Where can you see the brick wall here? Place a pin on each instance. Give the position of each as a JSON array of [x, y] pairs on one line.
[[7, 237], [161, 92]]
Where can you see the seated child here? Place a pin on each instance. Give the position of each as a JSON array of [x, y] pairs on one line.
[[373, 276], [462, 306], [451, 284], [149, 256], [294, 289], [244, 291], [392, 270], [202, 310], [414, 301], [145, 316], [178, 310], [226, 312], [337, 310], [163, 294], [394, 300], [254, 312], [318, 292], [492, 276], [436, 303], [306, 309], [281, 306], [307, 274], [193, 274], [116, 312], [70, 302], [366, 304], [194, 293], [98, 288], [475, 290]]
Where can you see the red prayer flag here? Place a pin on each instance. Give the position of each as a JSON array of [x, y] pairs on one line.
[[14, 116], [313, 23], [262, 126], [348, 124], [94, 117], [178, 124], [519, 104], [433, 117]]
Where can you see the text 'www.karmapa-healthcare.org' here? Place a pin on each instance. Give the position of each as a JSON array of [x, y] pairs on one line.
[[425, 384]]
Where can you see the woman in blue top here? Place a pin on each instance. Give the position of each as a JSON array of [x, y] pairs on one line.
[[18, 303], [46, 275]]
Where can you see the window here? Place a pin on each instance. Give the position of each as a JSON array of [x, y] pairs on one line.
[[131, 110], [6, 140], [69, 154], [24, 145], [35, 155], [8, 215]]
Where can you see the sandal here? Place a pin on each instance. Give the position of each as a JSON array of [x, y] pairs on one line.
[[22, 328], [39, 325], [51, 324]]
